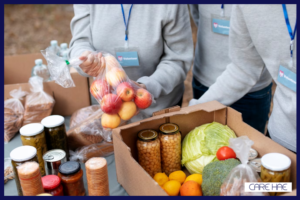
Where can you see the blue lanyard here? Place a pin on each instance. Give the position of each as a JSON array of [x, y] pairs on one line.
[[126, 23], [222, 11], [292, 34]]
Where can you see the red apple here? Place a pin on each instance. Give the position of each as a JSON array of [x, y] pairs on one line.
[[111, 104], [125, 91], [115, 76], [143, 98], [110, 121], [99, 89]]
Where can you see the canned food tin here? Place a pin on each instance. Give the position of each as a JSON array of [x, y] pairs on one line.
[[253, 154], [53, 159], [256, 164]]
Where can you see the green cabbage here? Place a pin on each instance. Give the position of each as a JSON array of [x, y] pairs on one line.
[[200, 145]]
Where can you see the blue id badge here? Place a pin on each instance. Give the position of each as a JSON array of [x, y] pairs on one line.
[[287, 76], [127, 57], [220, 25]]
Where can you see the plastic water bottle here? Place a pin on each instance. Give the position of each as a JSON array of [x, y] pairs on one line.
[[63, 48], [54, 47], [40, 70], [65, 55]]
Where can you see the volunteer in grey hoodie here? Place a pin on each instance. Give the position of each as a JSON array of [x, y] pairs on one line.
[[159, 34], [262, 36], [211, 59]]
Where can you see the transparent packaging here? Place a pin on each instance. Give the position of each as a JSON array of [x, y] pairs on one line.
[[82, 114], [8, 170], [149, 151], [170, 141], [41, 70], [13, 114]]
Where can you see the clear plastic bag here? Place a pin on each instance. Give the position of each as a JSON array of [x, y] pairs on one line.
[[82, 114], [234, 184], [38, 104], [8, 170], [59, 69], [82, 154], [13, 114]]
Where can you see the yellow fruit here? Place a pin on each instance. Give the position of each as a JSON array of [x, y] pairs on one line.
[[178, 176], [161, 178], [194, 177], [172, 188]]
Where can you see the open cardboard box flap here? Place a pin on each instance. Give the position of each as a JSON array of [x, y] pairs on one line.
[[137, 181]]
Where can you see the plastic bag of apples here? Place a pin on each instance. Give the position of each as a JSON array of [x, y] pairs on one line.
[[120, 98]]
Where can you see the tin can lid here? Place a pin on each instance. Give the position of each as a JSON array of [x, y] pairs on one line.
[[23, 153], [32, 129], [53, 121], [147, 135], [50, 182], [69, 168], [252, 154], [169, 128], [54, 155], [256, 164], [276, 161], [44, 194]]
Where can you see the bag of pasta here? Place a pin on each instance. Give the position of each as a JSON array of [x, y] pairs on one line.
[[234, 184], [38, 104], [13, 114]]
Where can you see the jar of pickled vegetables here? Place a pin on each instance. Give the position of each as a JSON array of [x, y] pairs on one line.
[[55, 132], [19, 156], [275, 167], [71, 178], [148, 146], [170, 144], [33, 135]]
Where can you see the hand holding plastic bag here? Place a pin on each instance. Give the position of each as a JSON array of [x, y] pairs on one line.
[[13, 114], [234, 184]]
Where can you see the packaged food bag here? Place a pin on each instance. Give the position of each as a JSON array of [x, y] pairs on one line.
[[234, 184], [13, 114], [38, 104], [82, 114], [8, 170], [82, 154]]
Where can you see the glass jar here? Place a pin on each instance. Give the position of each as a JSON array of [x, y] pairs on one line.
[[148, 146], [51, 185], [56, 133], [170, 144], [275, 167], [44, 194], [71, 178], [34, 135], [19, 156]]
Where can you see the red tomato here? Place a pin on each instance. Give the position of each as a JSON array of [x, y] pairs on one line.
[[225, 153]]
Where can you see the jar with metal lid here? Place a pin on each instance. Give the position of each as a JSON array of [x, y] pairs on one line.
[[170, 144], [56, 133], [19, 156], [52, 185], [53, 159], [34, 135], [44, 194], [275, 167], [71, 178], [148, 146]]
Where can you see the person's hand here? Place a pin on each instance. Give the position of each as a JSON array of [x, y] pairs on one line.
[[193, 102], [139, 84], [92, 63]]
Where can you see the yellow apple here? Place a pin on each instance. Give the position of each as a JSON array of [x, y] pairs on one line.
[[115, 76], [128, 110], [110, 121]]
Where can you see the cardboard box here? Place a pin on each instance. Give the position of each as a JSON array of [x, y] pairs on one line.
[[17, 71], [136, 181]]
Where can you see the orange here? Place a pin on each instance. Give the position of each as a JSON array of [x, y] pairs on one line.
[[161, 178], [178, 176], [190, 188], [172, 188], [194, 177]]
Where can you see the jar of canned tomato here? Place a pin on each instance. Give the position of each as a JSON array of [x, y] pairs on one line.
[[52, 185]]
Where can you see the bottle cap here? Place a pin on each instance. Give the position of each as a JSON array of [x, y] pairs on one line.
[[169, 128], [23, 153], [53, 121], [50, 182], [38, 61], [64, 45], [147, 135], [69, 168], [32, 129], [276, 161], [53, 43]]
